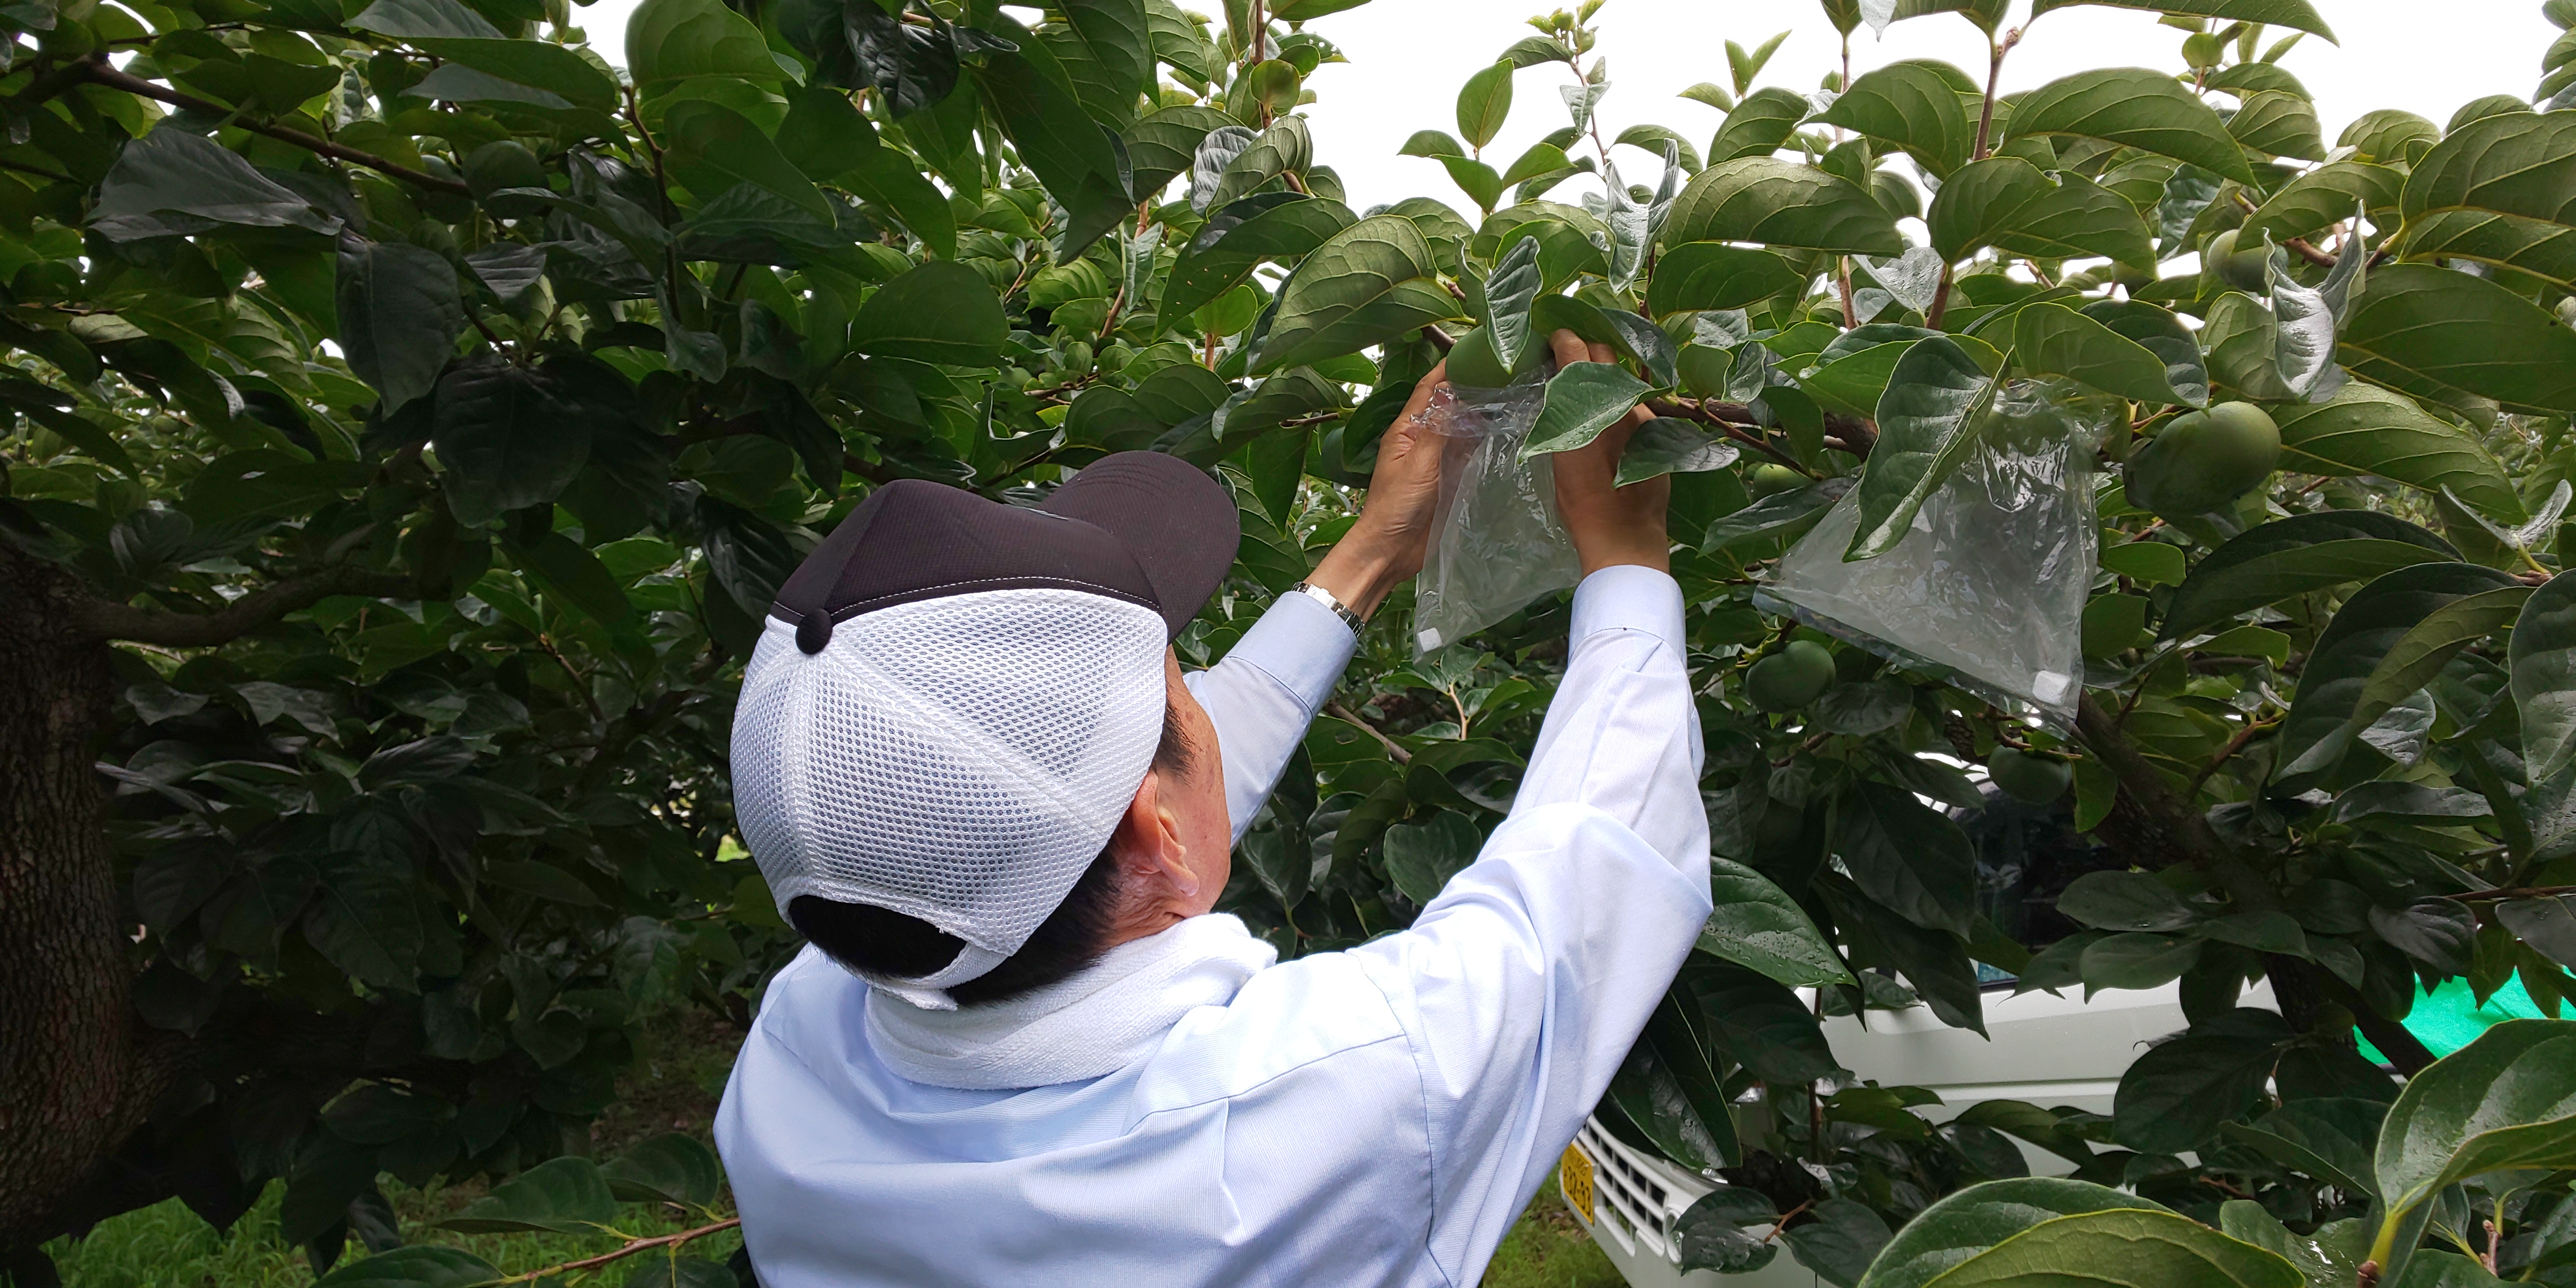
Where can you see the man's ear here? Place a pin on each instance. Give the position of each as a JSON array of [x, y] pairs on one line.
[[1148, 840]]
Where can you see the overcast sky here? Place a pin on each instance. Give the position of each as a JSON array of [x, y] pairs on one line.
[[1408, 58]]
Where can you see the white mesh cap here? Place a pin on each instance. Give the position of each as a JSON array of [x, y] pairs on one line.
[[954, 700], [961, 759]]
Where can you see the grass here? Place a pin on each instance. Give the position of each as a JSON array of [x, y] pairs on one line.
[[674, 1088]]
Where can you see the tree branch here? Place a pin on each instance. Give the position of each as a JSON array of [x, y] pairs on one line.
[[620, 1254], [103, 620], [1393, 748], [99, 73]]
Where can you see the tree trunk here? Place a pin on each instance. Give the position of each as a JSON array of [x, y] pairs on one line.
[[71, 1086]]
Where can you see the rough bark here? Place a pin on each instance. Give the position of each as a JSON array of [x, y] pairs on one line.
[[73, 1085]]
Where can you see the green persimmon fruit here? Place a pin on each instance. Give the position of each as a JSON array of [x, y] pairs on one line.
[[506, 163], [2030, 779], [1790, 678], [1771, 480], [1705, 370], [2240, 269], [1474, 364], [2204, 459]]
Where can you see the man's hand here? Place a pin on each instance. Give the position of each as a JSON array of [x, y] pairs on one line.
[[1388, 543], [1610, 525]]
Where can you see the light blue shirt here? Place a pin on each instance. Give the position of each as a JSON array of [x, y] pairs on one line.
[[1375, 1116]]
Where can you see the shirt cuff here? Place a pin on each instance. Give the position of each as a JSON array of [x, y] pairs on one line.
[[1301, 644], [1630, 597]]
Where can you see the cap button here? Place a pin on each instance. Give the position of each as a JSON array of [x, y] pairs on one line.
[[814, 632]]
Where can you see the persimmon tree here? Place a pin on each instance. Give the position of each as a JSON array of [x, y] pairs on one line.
[[411, 417]]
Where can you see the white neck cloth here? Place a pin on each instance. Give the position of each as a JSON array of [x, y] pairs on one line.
[[1096, 1022]]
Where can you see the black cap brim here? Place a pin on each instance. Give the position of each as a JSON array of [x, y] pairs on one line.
[[1177, 521]]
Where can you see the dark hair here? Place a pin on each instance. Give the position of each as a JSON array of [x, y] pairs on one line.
[[865, 937]]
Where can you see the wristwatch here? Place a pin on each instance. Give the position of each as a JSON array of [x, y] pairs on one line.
[[1325, 597]]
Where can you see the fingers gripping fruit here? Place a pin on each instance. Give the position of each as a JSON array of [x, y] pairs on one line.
[[1790, 678], [2030, 779], [2203, 460]]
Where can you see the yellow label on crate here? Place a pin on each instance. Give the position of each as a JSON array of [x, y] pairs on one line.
[[1574, 1179]]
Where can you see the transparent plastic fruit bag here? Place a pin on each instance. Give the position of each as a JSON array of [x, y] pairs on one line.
[[1990, 585], [1496, 543]]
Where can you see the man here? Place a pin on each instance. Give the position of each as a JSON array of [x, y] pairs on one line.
[[1021, 1049]]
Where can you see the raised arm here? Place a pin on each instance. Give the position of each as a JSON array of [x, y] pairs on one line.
[[1523, 985], [1268, 687]]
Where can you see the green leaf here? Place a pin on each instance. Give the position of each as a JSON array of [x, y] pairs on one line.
[[2506, 1100], [549, 67], [2296, 556], [1367, 284], [2320, 199], [711, 147], [670, 1168], [2297, 15], [1717, 1232], [2135, 960], [2501, 190], [1076, 157], [1107, 48], [2161, 334], [365, 921], [2051, 339], [2543, 658], [1274, 226], [2174, 1096], [400, 314], [830, 142], [1484, 103], [564, 1195], [419, 19], [2326, 714], [1510, 292], [2123, 1248], [2420, 654], [2006, 203], [2438, 334], [172, 181], [573, 575], [942, 312], [1758, 124], [2133, 106], [1162, 145], [1704, 275], [1839, 1243], [2327, 1138], [2545, 925], [1909, 857], [1782, 515], [1667, 445], [1927, 422], [669, 41], [2364, 429], [1911, 105], [418, 1266], [1971, 1221], [2276, 123], [1583, 399], [1780, 203], [1421, 857], [1755, 925], [1476, 179], [1680, 1033], [1431, 143], [2125, 901], [506, 441]]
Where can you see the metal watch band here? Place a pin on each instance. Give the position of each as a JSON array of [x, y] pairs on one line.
[[1325, 597]]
